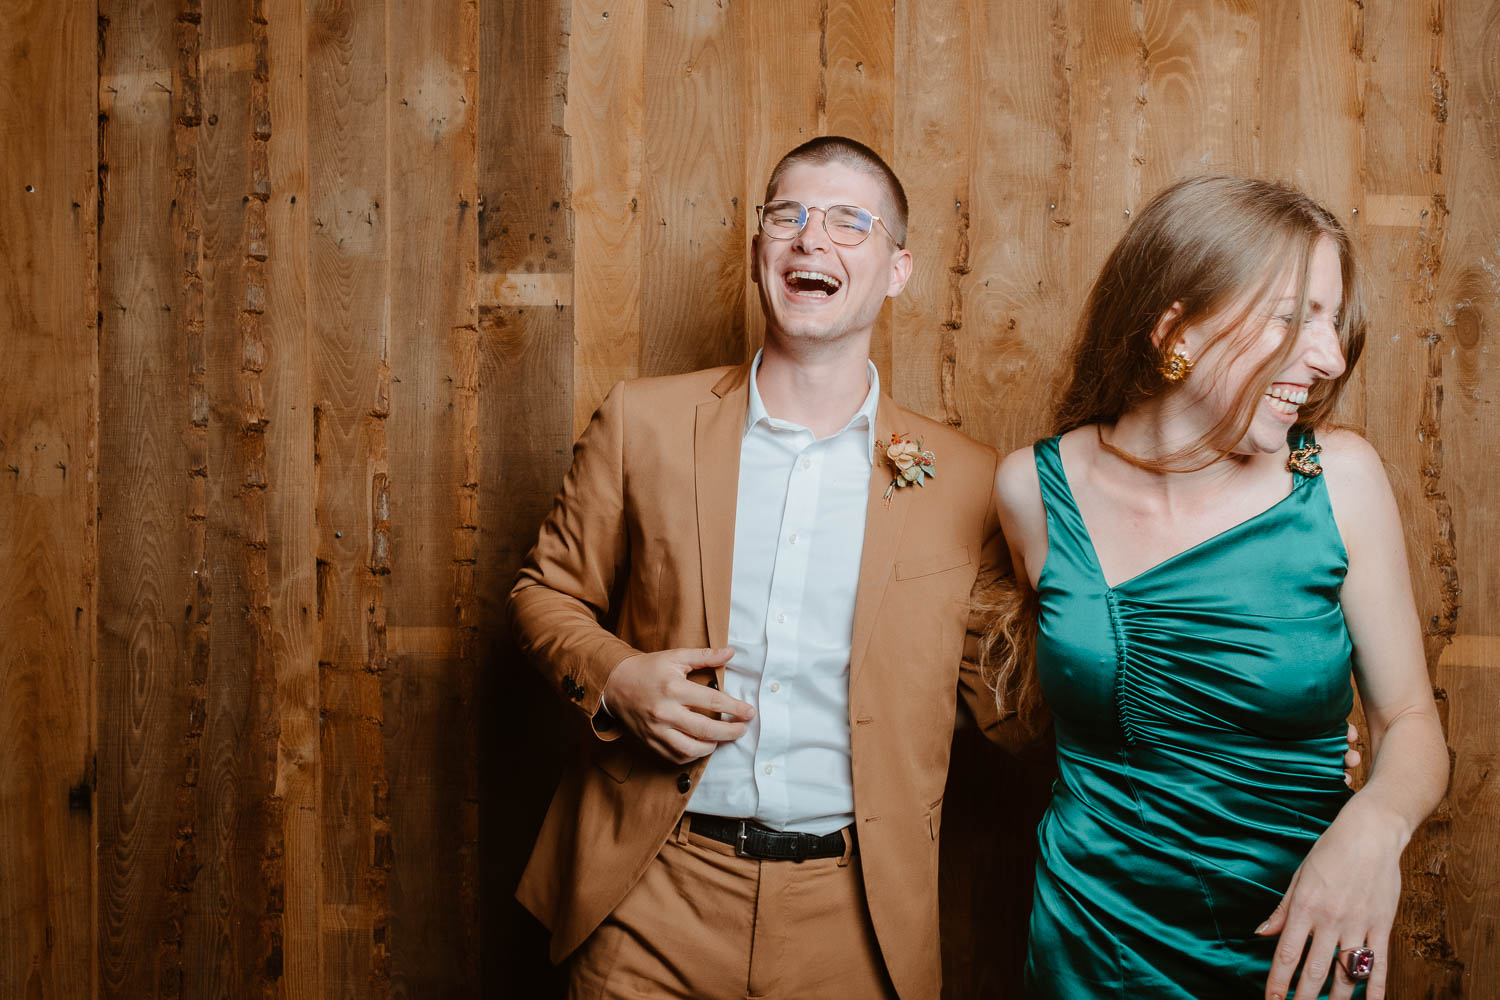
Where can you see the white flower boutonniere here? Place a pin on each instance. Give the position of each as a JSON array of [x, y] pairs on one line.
[[911, 464]]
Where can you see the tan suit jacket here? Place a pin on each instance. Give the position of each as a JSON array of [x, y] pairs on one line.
[[636, 556]]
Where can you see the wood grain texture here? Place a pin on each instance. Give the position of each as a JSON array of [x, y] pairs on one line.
[[784, 104], [431, 524], [48, 500], [226, 937], [692, 192], [526, 418], [934, 157], [348, 287], [858, 53], [1014, 298], [288, 384], [1402, 400], [604, 118], [146, 689], [357, 273]]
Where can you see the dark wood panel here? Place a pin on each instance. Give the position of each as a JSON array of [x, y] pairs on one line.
[[430, 526], [287, 381], [147, 693], [348, 289], [525, 437], [48, 498]]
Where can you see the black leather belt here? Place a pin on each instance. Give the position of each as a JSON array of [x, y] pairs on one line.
[[751, 840]]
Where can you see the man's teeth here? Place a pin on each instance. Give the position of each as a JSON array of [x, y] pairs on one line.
[[829, 282], [1285, 398]]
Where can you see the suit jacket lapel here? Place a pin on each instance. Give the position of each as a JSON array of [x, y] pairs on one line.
[[718, 432], [884, 524]]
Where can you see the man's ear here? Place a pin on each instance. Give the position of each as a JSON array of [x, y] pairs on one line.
[[1167, 328], [900, 272]]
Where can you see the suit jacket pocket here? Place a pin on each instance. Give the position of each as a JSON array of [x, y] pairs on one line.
[[936, 562], [615, 759]]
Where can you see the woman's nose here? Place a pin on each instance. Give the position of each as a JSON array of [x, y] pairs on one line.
[[1325, 352]]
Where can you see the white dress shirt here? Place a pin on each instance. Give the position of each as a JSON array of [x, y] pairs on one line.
[[799, 530]]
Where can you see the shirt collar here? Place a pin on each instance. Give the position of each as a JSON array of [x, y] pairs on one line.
[[864, 416]]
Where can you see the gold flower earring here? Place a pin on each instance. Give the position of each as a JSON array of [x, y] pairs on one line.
[[1175, 367]]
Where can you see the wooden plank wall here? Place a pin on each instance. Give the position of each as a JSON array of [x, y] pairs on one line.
[[305, 303]]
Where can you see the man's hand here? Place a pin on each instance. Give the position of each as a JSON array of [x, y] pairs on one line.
[[679, 719]]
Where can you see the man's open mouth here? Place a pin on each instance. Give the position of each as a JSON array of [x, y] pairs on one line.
[[813, 283]]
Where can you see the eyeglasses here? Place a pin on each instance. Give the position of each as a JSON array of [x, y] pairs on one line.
[[846, 225]]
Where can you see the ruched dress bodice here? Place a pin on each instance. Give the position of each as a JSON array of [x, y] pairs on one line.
[[1200, 712]]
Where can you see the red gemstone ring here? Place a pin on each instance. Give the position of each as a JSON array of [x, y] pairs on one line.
[[1359, 963]]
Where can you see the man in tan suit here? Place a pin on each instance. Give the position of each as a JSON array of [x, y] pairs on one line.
[[754, 586]]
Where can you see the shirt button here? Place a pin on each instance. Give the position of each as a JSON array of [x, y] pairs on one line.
[[775, 686], [793, 539], [781, 618], [807, 463], [768, 769]]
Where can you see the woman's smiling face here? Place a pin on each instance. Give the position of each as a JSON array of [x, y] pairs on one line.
[[1224, 363]]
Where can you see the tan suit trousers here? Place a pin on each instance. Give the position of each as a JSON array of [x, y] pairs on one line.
[[704, 924]]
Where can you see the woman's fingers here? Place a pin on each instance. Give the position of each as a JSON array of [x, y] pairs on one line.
[[1287, 955], [1378, 940], [1320, 958]]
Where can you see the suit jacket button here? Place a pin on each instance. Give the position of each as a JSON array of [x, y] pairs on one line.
[[684, 783]]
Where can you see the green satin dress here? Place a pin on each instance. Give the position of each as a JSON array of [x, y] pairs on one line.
[[1200, 714]]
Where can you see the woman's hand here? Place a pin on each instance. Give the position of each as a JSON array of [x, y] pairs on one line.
[[1343, 896]]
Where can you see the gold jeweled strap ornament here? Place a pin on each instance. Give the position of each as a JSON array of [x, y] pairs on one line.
[[1301, 460]]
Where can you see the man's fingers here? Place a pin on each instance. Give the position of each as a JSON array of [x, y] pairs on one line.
[[706, 698], [681, 748], [704, 728], [698, 659]]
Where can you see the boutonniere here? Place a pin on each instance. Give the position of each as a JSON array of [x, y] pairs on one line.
[[910, 463]]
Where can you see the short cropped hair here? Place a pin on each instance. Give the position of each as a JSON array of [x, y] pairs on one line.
[[857, 156]]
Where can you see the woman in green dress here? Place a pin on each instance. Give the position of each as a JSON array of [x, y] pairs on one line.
[[1203, 564]]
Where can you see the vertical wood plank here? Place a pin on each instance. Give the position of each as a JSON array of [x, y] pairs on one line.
[[291, 518], [604, 116], [348, 257], [860, 53], [1450, 918], [149, 739], [935, 134], [229, 923], [693, 266], [1013, 295], [785, 103], [526, 340], [1401, 393], [48, 500], [431, 524], [1203, 66]]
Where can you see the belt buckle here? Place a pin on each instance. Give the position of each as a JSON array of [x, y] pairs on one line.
[[739, 839]]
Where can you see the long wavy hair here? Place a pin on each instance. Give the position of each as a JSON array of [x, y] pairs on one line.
[[1211, 250]]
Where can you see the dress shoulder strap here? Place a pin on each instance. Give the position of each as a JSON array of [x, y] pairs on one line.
[[1064, 522]]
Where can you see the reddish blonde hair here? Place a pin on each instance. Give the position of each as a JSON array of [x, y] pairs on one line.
[[1217, 248]]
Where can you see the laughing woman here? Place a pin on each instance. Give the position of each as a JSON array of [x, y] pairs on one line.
[[1203, 565]]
